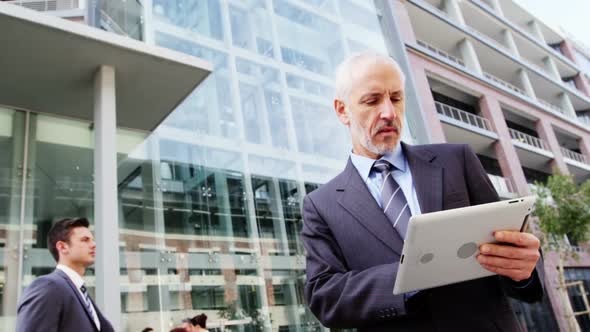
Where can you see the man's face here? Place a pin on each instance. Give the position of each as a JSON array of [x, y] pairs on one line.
[[81, 248], [374, 110]]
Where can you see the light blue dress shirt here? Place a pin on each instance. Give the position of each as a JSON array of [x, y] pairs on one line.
[[401, 174]]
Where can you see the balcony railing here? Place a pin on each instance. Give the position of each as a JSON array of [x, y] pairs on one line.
[[505, 84], [487, 38], [431, 6], [567, 153], [528, 139], [460, 115], [501, 184], [551, 106], [123, 17], [47, 5], [441, 53]]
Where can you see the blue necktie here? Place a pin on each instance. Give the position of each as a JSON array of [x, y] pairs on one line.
[[393, 201], [87, 300]]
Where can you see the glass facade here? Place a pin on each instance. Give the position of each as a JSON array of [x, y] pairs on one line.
[[47, 174], [211, 202]]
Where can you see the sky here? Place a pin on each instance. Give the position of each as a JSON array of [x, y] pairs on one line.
[[571, 15]]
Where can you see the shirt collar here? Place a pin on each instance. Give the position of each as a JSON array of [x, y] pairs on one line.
[[73, 275], [364, 164]]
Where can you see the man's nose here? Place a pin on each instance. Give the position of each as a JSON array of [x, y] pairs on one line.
[[387, 110]]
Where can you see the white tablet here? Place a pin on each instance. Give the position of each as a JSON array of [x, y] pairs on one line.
[[441, 247]]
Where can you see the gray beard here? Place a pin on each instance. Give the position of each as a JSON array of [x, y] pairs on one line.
[[365, 140]]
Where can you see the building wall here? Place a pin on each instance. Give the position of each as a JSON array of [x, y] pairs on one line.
[[449, 65]]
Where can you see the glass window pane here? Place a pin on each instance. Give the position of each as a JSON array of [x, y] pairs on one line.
[[60, 184], [211, 203], [12, 126]]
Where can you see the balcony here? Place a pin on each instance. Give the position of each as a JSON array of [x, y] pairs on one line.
[[532, 151], [505, 84], [551, 106], [467, 118], [567, 153], [503, 186], [528, 139], [441, 53], [47, 5], [460, 126], [578, 164], [123, 17], [432, 7]]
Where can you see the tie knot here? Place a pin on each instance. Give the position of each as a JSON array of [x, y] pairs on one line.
[[83, 289], [382, 166]]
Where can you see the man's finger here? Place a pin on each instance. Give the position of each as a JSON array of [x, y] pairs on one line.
[[508, 251], [516, 275], [519, 239], [505, 263]]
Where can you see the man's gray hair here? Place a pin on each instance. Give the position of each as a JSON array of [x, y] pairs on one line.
[[345, 70]]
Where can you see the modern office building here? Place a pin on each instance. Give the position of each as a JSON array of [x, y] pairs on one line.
[[491, 74], [208, 204]]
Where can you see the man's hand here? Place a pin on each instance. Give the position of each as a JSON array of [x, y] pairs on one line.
[[514, 257]]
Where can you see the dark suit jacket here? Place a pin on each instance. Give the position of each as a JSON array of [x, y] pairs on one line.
[[353, 252], [53, 304]]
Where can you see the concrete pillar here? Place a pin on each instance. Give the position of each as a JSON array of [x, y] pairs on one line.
[[403, 22], [525, 82], [469, 56], [568, 51], [422, 90], [106, 216], [567, 106], [509, 41], [505, 150], [584, 143], [546, 133], [535, 30], [395, 46], [452, 8], [147, 22], [551, 68], [582, 84]]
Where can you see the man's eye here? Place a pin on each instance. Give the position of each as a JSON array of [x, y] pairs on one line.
[[372, 102]]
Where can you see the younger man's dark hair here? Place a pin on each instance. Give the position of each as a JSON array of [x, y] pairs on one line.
[[61, 231]]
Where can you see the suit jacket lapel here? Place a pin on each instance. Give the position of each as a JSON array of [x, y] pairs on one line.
[[427, 177], [78, 295], [359, 202]]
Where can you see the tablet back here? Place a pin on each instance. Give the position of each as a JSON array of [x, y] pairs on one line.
[[441, 247]]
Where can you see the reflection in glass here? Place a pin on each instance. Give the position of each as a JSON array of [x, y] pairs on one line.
[[211, 206], [60, 185], [202, 17], [12, 125]]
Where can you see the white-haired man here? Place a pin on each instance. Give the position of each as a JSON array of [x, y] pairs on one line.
[[355, 224]]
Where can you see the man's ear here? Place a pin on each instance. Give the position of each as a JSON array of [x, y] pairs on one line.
[[62, 247], [340, 109]]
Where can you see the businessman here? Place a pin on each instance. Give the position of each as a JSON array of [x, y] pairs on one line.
[[60, 301], [354, 225]]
